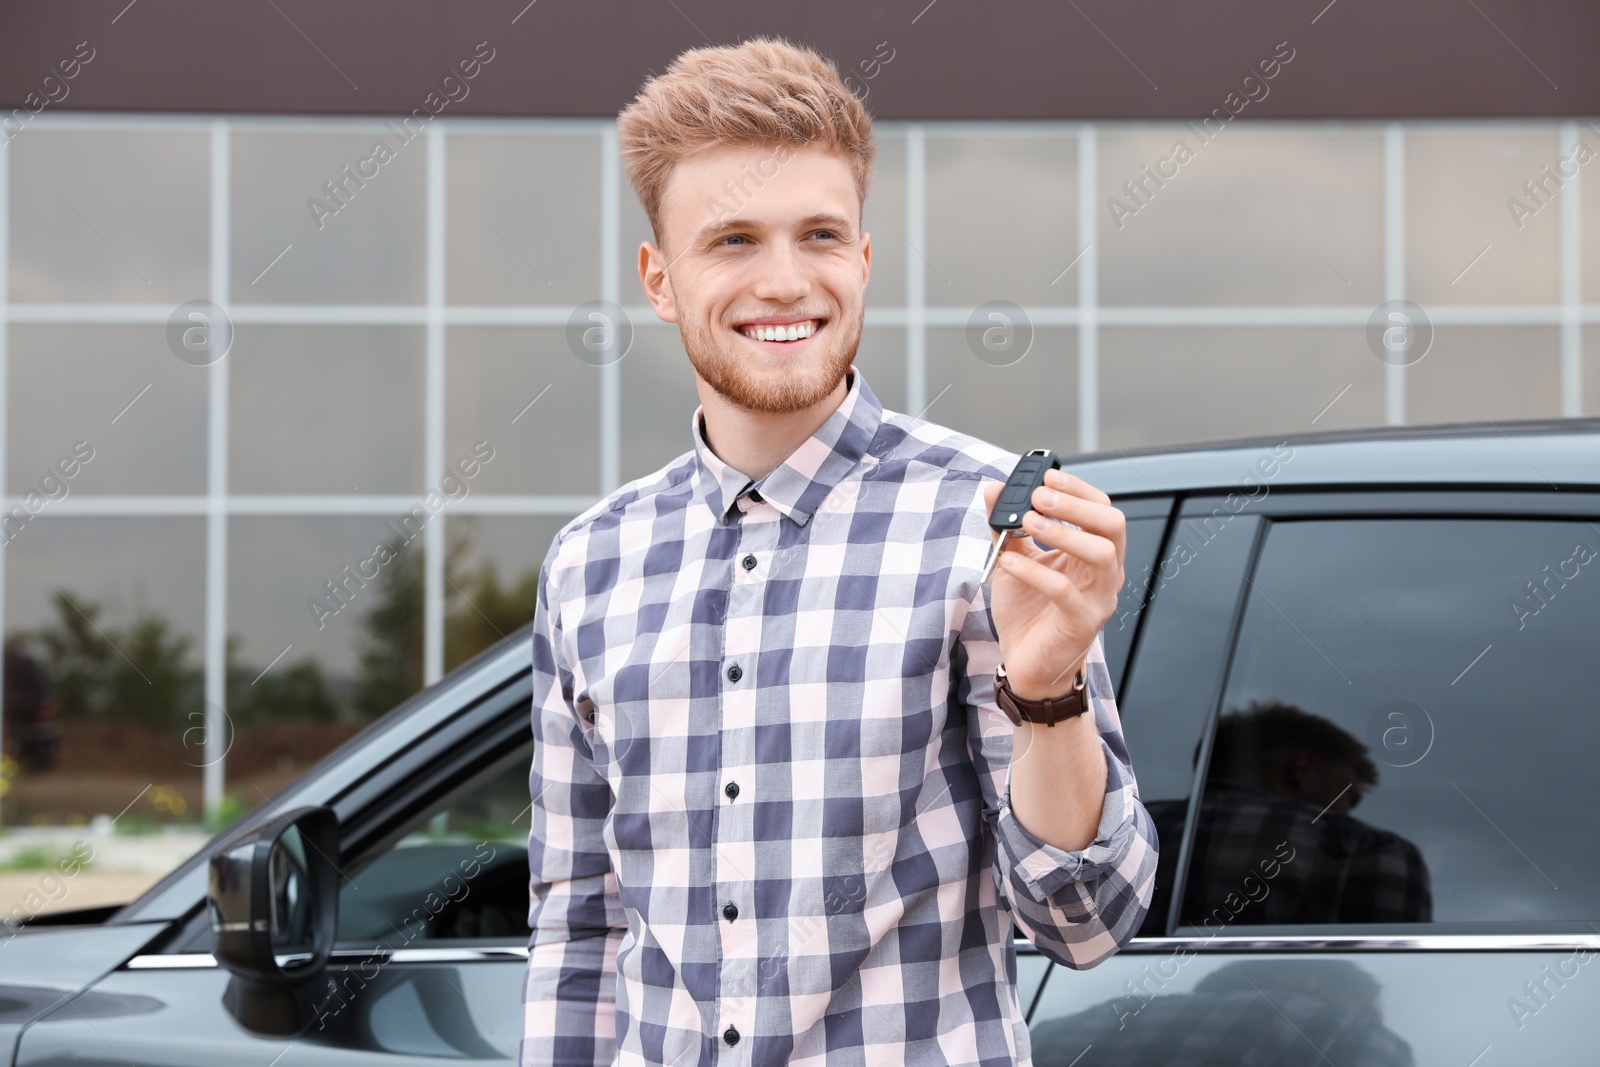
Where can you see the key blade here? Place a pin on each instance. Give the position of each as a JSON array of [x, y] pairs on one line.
[[994, 557]]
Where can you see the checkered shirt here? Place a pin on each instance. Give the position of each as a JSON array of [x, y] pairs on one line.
[[1262, 860], [771, 820]]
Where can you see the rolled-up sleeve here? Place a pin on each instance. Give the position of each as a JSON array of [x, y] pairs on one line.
[[575, 915], [1077, 907]]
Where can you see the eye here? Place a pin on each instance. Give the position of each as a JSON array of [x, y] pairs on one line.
[[830, 233], [732, 237]]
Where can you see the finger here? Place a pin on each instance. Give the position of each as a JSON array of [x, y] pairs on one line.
[[1050, 582], [1106, 520], [1071, 483], [1100, 553]]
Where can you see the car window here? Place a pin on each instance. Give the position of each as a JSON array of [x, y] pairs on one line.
[[460, 870], [1138, 568], [1408, 729], [1176, 673]]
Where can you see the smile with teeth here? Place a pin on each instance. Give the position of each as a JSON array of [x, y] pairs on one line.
[[797, 331]]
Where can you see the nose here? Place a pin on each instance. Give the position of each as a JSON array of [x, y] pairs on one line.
[[780, 275]]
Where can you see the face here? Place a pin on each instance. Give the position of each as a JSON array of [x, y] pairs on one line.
[[1309, 779], [755, 239]]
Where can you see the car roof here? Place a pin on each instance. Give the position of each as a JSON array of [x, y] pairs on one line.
[[1542, 453]]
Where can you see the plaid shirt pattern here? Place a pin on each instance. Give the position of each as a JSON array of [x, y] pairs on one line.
[[771, 821], [1308, 866]]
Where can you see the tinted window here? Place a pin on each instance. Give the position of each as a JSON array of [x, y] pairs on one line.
[[1138, 567], [1408, 731], [459, 871]]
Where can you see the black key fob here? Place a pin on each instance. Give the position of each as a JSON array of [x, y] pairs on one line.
[[1014, 499]]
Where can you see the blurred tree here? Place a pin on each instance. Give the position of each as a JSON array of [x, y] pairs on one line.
[[391, 648], [139, 672], [479, 611], [298, 691], [486, 612]]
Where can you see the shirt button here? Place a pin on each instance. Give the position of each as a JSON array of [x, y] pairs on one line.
[[731, 1036], [732, 790], [749, 563], [730, 912], [734, 673]]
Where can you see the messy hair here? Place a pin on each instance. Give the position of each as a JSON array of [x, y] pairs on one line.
[[764, 92], [1246, 742]]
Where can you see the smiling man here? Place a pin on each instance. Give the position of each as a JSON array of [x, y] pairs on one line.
[[796, 770]]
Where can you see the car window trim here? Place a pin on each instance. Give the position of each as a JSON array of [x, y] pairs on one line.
[[1188, 509], [1336, 505], [518, 953]]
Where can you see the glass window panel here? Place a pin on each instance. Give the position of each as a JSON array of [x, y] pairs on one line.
[[1458, 190], [345, 235], [1002, 219], [659, 396], [325, 633], [634, 228], [524, 219], [493, 567], [658, 400], [120, 390], [538, 405], [1590, 369], [476, 839], [1279, 216], [881, 357], [1473, 373], [110, 217], [1345, 735], [1028, 404], [326, 409], [884, 217], [104, 618], [1164, 386], [1589, 212]]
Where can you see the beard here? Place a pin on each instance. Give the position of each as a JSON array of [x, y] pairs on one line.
[[744, 378]]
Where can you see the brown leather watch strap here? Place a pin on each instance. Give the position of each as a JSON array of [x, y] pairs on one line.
[[1043, 712]]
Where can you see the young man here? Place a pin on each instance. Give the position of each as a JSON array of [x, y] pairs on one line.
[[779, 813]]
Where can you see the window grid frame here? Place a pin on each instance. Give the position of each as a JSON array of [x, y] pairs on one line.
[[435, 315]]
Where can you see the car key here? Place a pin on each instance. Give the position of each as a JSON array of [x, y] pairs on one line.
[[1013, 503]]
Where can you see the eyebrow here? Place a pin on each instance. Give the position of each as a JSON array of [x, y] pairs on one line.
[[817, 220]]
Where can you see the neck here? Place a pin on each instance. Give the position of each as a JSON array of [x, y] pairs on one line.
[[754, 443]]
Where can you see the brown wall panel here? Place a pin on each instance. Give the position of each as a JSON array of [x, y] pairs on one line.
[[952, 59]]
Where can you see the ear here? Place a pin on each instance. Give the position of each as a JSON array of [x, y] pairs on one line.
[[657, 285], [866, 258]]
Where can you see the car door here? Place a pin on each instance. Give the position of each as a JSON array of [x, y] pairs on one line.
[[433, 935], [1366, 725]]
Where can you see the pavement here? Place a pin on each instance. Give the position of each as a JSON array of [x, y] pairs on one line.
[[60, 868]]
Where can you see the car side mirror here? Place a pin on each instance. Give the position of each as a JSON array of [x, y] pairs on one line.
[[274, 912]]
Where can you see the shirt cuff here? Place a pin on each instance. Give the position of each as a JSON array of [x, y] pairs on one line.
[[1045, 870]]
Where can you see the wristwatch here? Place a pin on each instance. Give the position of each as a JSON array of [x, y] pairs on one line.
[[1045, 712]]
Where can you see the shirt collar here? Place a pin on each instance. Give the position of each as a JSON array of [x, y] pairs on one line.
[[800, 483]]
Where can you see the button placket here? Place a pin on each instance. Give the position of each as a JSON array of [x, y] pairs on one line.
[[734, 823]]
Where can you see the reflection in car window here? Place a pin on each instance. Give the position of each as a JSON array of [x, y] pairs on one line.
[[460, 870], [1276, 843], [1408, 729], [1251, 1011], [1143, 538]]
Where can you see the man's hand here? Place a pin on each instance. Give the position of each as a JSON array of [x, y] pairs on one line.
[[1048, 604]]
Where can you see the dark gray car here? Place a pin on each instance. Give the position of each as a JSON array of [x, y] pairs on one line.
[[1359, 675]]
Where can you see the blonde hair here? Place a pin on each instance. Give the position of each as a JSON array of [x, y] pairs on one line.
[[763, 92]]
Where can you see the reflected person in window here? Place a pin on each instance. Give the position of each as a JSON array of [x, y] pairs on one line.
[[1281, 786]]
